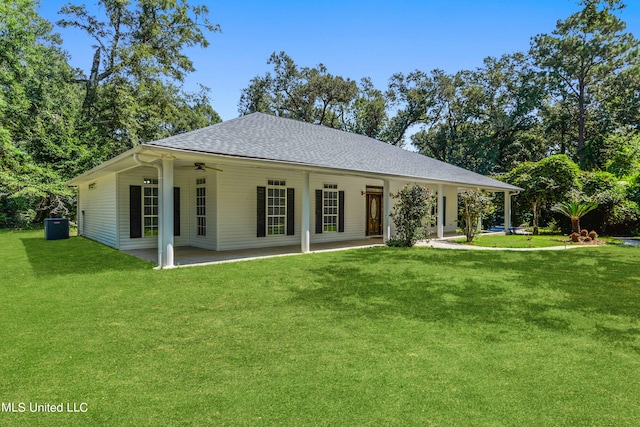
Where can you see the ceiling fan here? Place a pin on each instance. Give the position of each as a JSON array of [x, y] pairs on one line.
[[201, 167]]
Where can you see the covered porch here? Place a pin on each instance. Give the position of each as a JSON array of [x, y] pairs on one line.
[[185, 256]]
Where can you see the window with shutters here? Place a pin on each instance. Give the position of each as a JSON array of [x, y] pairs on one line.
[[201, 207], [150, 211], [330, 208], [276, 207]]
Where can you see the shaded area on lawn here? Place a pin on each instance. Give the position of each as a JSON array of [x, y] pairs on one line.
[[75, 255], [483, 287]]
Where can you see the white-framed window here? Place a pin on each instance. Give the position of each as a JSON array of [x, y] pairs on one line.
[[330, 208], [201, 207], [276, 207], [150, 211]]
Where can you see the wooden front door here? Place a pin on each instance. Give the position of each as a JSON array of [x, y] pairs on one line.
[[374, 214]]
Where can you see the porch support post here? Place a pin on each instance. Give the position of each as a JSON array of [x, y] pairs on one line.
[[439, 211], [166, 223], [507, 212], [386, 233], [306, 209]]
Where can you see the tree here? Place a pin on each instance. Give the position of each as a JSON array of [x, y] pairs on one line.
[[545, 183], [475, 205], [412, 214], [311, 95], [615, 212], [484, 120], [412, 96], [447, 130], [28, 192], [47, 137], [621, 153], [574, 210], [145, 40], [133, 89], [367, 115], [510, 96], [38, 147], [583, 52]]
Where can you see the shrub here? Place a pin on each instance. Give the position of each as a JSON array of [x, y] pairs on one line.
[[584, 232], [593, 235], [553, 226], [395, 243], [587, 239], [475, 204], [412, 214], [575, 237]]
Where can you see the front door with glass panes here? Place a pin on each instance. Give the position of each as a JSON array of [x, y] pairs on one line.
[[374, 214]]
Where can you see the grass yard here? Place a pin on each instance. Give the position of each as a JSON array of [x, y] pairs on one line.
[[379, 336], [528, 241]]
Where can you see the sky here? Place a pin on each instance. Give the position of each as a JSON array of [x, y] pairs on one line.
[[352, 38]]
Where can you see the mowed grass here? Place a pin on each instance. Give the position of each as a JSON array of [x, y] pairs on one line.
[[529, 241], [378, 336]]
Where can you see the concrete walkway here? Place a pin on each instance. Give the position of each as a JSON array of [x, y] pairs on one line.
[[447, 244]]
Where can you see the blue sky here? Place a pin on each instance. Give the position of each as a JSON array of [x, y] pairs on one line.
[[352, 38]]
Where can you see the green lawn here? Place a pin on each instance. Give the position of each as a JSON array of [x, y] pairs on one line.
[[379, 336], [527, 241]]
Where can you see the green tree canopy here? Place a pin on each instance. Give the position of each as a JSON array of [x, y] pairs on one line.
[[545, 183], [309, 94], [584, 52]]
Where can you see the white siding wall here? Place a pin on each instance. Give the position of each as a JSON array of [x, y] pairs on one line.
[[237, 207], [99, 206], [355, 206], [136, 177]]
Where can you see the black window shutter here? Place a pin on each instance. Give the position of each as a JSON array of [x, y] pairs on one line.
[[444, 211], [291, 208], [135, 211], [318, 211], [176, 211], [261, 212], [341, 211]]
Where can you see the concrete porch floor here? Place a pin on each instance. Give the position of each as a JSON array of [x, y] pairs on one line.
[[185, 256]]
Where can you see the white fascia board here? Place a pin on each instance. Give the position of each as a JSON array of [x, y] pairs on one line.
[[110, 166]]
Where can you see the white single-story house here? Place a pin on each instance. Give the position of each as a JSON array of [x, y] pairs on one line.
[[260, 181]]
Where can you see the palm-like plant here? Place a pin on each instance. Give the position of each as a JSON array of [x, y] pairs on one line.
[[574, 210]]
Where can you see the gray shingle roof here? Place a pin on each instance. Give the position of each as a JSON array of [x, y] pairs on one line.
[[267, 137]]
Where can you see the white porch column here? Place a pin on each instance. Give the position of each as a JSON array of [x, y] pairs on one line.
[[306, 209], [166, 221], [386, 204], [507, 212], [439, 211]]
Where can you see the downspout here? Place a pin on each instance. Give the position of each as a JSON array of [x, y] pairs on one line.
[[160, 240], [79, 222]]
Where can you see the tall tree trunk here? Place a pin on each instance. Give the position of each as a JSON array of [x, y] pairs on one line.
[[575, 224], [581, 119], [92, 84], [536, 214]]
